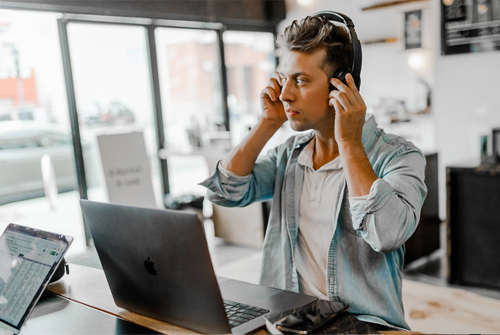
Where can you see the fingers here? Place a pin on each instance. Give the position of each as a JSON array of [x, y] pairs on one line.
[[348, 96], [354, 89], [339, 108], [338, 98], [342, 88], [277, 76], [273, 89], [350, 82]]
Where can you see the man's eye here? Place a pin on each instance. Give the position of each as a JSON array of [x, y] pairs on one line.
[[299, 81]]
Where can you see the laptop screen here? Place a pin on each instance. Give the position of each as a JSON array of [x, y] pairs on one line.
[[28, 259]]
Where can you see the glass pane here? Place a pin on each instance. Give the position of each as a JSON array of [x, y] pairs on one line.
[[113, 94], [34, 123], [189, 71], [250, 62]]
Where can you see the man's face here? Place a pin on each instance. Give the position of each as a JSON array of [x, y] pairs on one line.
[[305, 91]]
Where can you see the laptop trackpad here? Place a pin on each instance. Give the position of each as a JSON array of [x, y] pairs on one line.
[[246, 293]]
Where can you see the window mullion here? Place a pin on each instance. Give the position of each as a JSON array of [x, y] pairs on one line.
[[223, 74]]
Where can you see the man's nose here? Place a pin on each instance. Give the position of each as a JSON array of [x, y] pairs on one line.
[[287, 92]]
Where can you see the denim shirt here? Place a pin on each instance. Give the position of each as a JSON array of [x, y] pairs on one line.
[[366, 252]]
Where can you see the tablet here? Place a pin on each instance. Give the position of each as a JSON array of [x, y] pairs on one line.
[[28, 259]]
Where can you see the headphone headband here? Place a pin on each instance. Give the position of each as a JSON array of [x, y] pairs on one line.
[[356, 45]]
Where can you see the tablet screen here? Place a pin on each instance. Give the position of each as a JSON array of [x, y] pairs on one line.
[[28, 259]]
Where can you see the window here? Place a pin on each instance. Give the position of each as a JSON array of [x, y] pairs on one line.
[[113, 90], [113, 93], [250, 62], [34, 122], [189, 71]]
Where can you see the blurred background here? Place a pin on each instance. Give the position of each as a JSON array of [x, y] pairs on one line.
[[187, 75]]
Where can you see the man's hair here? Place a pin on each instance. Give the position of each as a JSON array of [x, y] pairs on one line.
[[316, 32]]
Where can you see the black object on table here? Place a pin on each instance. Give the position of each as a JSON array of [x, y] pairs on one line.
[[347, 323]]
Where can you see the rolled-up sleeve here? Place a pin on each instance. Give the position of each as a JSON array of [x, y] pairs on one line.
[[228, 189], [391, 212]]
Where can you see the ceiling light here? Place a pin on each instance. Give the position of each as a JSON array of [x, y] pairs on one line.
[[305, 3]]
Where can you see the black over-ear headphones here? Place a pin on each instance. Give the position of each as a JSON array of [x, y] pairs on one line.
[[355, 69]]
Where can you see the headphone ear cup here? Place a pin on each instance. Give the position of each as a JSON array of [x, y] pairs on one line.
[[340, 75]]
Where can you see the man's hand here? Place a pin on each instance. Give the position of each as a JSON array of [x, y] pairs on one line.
[[241, 160], [350, 111], [272, 107]]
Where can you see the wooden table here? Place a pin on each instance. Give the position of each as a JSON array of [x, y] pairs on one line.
[[428, 308], [447, 310]]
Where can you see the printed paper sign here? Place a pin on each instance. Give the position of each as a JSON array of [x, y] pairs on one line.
[[126, 169]]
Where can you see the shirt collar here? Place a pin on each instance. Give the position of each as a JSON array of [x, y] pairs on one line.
[[306, 159]]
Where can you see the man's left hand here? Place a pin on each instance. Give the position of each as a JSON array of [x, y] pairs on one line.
[[350, 111]]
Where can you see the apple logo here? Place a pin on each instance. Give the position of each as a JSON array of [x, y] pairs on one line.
[[150, 267]]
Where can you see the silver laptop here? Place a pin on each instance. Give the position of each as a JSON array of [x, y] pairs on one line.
[[157, 264], [28, 259]]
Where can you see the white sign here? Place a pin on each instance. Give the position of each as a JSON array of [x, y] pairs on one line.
[[126, 169]]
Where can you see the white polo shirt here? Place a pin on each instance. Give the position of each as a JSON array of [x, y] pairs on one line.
[[316, 225]]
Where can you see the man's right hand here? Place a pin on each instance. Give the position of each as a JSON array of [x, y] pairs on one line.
[[241, 160], [272, 107]]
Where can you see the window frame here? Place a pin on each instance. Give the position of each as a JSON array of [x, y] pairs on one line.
[[150, 25]]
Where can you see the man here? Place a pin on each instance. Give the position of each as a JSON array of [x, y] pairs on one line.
[[346, 196]]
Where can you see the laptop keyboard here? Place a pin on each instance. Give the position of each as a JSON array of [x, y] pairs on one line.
[[240, 313]]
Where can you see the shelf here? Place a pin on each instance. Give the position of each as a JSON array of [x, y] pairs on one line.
[[391, 4], [380, 41]]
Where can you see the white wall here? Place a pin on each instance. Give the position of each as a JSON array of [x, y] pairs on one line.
[[467, 98], [465, 91], [466, 104]]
